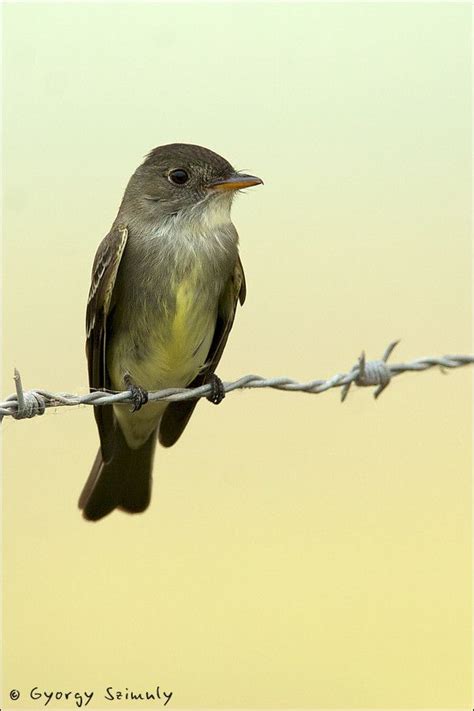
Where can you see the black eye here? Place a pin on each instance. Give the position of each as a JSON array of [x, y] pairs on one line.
[[178, 176]]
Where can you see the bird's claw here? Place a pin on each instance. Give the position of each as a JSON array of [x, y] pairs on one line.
[[139, 395], [217, 393]]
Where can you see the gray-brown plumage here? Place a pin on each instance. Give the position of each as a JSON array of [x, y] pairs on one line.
[[165, 285]]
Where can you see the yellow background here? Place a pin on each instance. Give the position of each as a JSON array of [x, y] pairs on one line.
[[297, 553]]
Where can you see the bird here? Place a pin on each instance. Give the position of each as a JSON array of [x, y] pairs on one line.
[[165, 285]]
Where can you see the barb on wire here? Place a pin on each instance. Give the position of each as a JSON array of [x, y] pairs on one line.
[[366, 373]]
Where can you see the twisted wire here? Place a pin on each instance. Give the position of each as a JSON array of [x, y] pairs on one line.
[[376, 373]]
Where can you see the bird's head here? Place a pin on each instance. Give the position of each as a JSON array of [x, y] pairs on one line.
[[180, 177]]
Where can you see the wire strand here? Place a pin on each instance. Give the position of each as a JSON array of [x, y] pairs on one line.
[[366, 373]]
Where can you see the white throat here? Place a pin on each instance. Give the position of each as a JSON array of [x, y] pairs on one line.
[[205, 228]]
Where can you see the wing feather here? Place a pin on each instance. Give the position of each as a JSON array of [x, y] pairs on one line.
[[99, 305]]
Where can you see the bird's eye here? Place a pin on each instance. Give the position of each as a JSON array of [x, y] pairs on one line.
[[178, 176]]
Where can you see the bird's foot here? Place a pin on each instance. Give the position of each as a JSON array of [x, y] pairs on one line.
[[217, 393], [139, 395]]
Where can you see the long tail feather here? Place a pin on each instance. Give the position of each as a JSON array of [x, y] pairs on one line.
[[124, 481]]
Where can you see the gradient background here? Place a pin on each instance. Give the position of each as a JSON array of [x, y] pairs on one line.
[[297, 553]]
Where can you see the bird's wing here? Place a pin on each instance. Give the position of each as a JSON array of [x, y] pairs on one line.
[[234, 292], [99, 305], [177, 414]]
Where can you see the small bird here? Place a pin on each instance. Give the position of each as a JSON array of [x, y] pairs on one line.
[[164, 290]]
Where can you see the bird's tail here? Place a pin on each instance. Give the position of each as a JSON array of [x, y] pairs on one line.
[[122, 482]]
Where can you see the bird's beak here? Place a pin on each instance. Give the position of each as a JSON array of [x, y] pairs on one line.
[[235, 182]]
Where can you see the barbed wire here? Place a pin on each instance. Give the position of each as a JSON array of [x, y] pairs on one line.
[[366, 373]]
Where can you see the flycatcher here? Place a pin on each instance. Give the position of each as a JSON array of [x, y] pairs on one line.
[[165, 285]]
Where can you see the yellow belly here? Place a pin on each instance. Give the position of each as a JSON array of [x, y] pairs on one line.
[[177, 350], [178, 344]]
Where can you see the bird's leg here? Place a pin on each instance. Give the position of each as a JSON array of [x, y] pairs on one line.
[[139, 395], [217, 393]]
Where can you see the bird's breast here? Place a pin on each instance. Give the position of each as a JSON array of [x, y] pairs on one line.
[[169, 285], [166, 303], [163, 339], [180, 341]]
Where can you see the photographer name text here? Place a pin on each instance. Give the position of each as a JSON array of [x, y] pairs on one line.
[[44, 697]]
